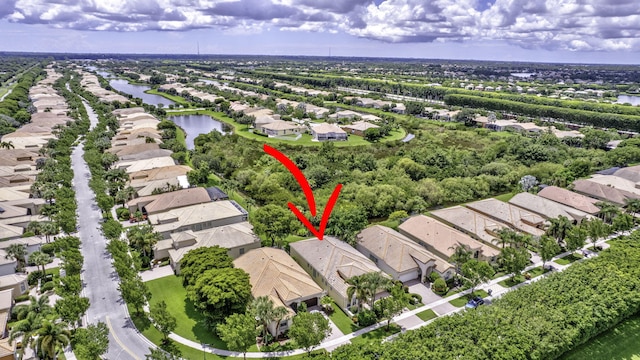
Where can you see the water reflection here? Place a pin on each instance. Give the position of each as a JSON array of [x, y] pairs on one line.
[[195, 125], [139, 92]]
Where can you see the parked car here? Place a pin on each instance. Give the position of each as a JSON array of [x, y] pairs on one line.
[[475, 302]]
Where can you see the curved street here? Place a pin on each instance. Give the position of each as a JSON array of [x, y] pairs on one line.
[[100, 281]]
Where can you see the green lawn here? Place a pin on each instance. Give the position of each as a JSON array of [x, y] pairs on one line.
[[461, 301], [567, 259], [506, 197], [619, 343], [427, 315], [190, 321], [305, 140], [535, 272], [509, 282], [342, 321], [177, 99], [376, 335]]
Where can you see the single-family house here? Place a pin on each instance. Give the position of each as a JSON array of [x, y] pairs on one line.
[[519, 219], [198, 217], [236, 238], [400, 108], [31, 243], [330, 263], [7, 348], [359, 127], [399, 256], [603, 192], [442, 240], [274, 274], [345, 114], [571, 199], [132, 166], [139, 178], [280, 128], [547, 208], [475, 224], [616, 182], [631, 173], [149, 205], [326, 131], [17, 282]]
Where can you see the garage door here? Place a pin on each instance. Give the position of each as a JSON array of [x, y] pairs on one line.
[[311, 302]]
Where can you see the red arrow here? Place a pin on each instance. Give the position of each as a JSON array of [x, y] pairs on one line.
[[308, 193]]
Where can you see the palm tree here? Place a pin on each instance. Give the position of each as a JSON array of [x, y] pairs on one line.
[[125, 195], [7, 145], [39, 306], [559, 227], [632, 206], [279, 314], [263, 309], [357, 288], [40, 259], [35, 227], [327, 303], [608, 211], [460, 256], [506, 236], [376, 281], [17, 252], [143, 238], [25, 328], [50, 228], [52, 337]]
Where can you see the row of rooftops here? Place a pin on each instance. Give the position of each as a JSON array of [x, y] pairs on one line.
[[91, 84]]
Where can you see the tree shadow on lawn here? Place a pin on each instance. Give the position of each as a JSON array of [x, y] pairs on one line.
[[200, 330]]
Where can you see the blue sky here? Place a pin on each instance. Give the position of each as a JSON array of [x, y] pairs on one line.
[[593, 31]]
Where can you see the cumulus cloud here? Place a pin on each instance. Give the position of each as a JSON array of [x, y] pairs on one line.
[[551, 24]]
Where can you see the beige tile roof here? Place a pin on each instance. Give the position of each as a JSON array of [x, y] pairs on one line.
[[603, 192], [474, 223], [228, 237], [133, 149], [146, 188], [442, 237], [631, 173], [172, 200], [10, 231], [281, 125], [194, 214], [397, 250], [6, 300], [132, 166], [518, 218], [616, 182], [360, 126], [12, 193], [273, 273], [326, 128], [570, 198], [545, 207], [11, 280], [335, 260]]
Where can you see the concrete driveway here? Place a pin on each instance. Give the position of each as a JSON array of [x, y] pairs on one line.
[[428, 296]]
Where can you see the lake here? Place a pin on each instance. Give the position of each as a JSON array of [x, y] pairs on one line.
[[633, 100], [139, 92], [195, 125]]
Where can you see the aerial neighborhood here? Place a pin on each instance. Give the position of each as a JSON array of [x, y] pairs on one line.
[[155, 219]]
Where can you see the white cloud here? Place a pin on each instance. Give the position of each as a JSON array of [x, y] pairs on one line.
[[606, 25]]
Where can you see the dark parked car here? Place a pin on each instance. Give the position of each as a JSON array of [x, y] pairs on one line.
[[475, 302]]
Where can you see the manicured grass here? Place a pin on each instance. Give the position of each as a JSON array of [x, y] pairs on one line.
[[619, 343], [506, 197], [567, 259], [292, 238], [427, 315], [190, 320], [305, 140], [143, 324], [462, 301], [499, 274], [177, 99], [512, 282], [342, 321], [535, 272], [376, 335]]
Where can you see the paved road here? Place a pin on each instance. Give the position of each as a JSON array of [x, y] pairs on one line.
[[99, 277]]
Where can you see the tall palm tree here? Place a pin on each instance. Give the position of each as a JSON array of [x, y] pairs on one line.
[[559, 227], [506, 236], [608, 211], [143, 238], [460, 256], [38, 306], [50, 228], [25, 329], [279, 314], [357, 288], [263, 309], [632, 206], [376, 281], [52, 338], [17, 252], [40, 259]]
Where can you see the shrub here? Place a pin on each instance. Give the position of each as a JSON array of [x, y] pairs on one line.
[[21, 298], [34, 276], [48, 249], [440, 287], [366, 317], [122, 213], [415, 299], [47, 286], [433, 276]]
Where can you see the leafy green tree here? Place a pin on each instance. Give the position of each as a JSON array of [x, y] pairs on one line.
[[389, 307], [597, 229], [163, 320], [91, 342], [623, 222], [195, 262], [477, 272], [514, 260], [632, 206], [159, 354], [219, 293], [309, 329], [346, 221], [576, 237], [135, 292], [274, 221], [238, 332], [373, 134], [548, 248], [71, 308]]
